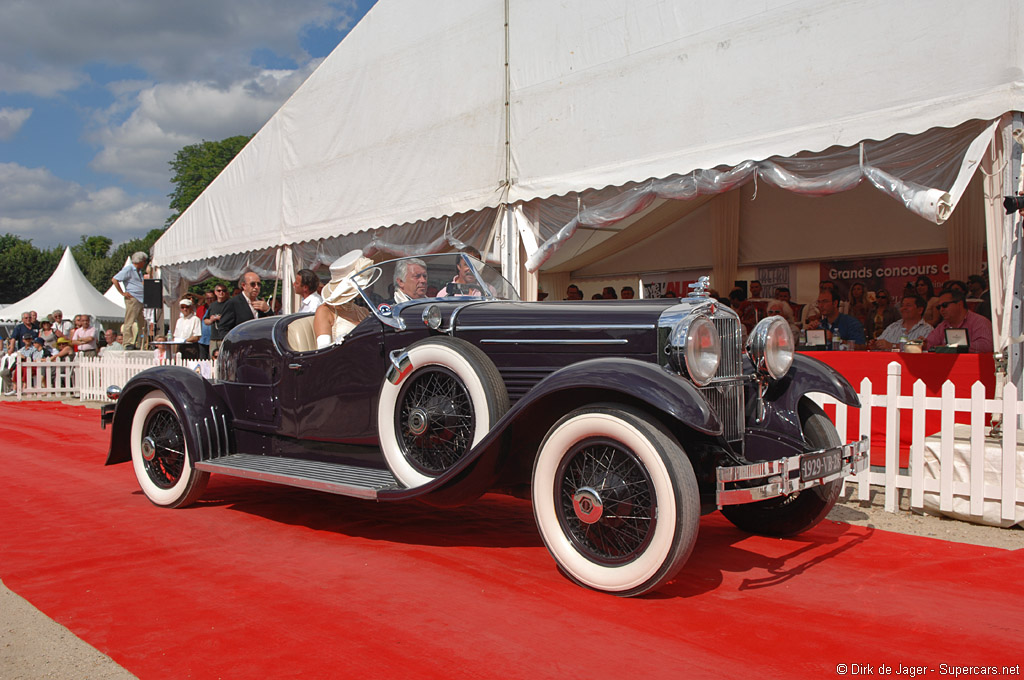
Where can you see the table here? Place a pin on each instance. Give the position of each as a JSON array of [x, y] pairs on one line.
[[963, 370]]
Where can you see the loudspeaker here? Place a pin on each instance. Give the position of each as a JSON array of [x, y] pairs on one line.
[[153, 293]]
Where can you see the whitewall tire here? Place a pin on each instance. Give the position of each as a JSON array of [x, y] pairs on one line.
[[451, 397], [160, 454], [615, 499]]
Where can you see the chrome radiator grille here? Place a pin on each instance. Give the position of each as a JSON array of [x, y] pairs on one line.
[[731, 365], [726, 400]]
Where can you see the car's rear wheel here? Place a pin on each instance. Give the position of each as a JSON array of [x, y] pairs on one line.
[[615, 499], [802, 510], [160, 454], [440, 410]]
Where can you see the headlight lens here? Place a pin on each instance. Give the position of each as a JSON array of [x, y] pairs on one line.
[[771, 346], [698, 348]]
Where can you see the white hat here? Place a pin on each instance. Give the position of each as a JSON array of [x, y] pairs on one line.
[[185, 301], [342, 286]]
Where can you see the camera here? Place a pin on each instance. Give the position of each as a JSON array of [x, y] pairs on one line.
[[1013, 204]]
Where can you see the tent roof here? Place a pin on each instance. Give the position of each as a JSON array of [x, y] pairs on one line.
[[406, 119], [67, 289]]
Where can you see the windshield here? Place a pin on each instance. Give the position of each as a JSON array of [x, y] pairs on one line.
[[453, 276]]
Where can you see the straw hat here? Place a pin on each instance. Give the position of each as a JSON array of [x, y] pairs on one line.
[[342, 286]]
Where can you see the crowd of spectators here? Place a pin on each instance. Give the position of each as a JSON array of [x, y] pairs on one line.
[[863, 319]]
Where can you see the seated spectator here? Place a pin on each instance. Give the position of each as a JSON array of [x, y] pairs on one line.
[[778, 307], [953, 308], [881, 316], [22, 330], [627, 293], [597, 296], [47, 334], [857, 303], [573, 292], [609, 293], [160, 353], [848, 328], [64, 353], [910, 327], [954, 284], [782, 293], [187, 330], [465, 279], [756, 290], [978, 290], [61, 327], [812, 307], [110, 335], [923, 286]]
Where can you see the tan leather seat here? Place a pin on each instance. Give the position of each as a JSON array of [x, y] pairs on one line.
[[300, 335]]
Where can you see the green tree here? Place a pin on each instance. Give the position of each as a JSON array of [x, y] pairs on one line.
[[195, 166], [23, 267]]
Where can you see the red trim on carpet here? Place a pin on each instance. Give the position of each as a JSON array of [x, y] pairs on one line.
[[258, 580]]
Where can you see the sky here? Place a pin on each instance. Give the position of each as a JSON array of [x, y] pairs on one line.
[[96, 97]]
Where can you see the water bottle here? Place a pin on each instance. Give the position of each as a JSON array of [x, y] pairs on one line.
[[903, 342], [836, 339]]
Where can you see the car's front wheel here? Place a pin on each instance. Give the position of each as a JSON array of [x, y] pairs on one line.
[[160, 454], [616, 499], [451, 398], [798, 512]]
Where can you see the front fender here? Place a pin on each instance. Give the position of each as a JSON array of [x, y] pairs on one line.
[[778, 434], [205, 418], [519, 432]]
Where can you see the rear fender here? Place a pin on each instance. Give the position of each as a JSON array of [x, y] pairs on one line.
[[205, 418]]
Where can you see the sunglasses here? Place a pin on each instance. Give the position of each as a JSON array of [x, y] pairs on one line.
[[219, 290], [254, 284]]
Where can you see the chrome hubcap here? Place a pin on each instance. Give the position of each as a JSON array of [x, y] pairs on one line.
[[587, 504], [148, 448], [418, 421]]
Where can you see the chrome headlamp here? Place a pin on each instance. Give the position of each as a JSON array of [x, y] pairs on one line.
[[697, 348], [771, 346]]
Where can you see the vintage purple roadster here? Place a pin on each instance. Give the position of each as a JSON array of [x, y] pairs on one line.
[[623, 421]]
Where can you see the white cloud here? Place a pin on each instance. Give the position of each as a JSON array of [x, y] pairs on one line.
[[45, 47], [36, 204], [11, 121], [166, 117]]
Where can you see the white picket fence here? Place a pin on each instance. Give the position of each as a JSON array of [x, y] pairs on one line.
[[1003, 455], [88, 378]]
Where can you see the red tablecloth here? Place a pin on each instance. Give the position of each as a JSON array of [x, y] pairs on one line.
[[934, 369]]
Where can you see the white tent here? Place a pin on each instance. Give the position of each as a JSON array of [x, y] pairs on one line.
[[68, 290], [512, 123]]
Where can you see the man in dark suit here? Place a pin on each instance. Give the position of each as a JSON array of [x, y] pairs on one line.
[[245, 306]]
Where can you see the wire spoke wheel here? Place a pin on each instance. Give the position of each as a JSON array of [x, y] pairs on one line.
[[163, 448], [615, 499], [435, 420], [606, 502]]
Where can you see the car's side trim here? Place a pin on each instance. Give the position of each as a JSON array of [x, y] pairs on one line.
[[553, 341], [564, 327]]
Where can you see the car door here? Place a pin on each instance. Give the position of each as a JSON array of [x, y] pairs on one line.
[[330, 395]]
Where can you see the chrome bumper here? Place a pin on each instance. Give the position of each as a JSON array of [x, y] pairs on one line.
[[782, 477]]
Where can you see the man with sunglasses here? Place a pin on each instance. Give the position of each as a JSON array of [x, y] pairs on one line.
[[954, 312], [242, 308]]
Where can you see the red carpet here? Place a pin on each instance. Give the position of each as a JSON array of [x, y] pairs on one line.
[[264, 581]]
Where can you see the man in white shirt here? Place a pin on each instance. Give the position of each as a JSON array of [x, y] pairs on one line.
[[187, 331], [306, 286]]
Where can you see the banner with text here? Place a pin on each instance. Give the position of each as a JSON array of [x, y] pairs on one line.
[[892, 273]]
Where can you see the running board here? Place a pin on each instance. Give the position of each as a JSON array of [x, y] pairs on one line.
[[345, 480]]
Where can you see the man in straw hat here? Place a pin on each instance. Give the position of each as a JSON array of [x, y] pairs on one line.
[[339, 313]]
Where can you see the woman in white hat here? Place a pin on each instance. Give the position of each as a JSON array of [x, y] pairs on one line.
[[339, 313]]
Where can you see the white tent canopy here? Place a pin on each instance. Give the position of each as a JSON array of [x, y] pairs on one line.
[[406, 120], [68, 290]]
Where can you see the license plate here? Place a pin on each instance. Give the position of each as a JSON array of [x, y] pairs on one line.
[[817, 465]]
